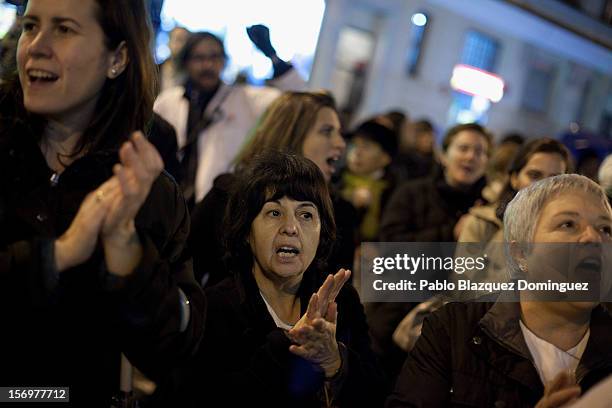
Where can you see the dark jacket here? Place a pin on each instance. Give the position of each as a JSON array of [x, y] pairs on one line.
[[412, 165], [474, 355], [206, 239], [426, 210], [69, 329], [163, 136], [244, 359]]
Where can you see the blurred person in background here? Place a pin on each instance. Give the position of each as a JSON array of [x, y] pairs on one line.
[[605, 176], [535, 160], [212, 119], [428, 209], [587, 163], [92, 259], [497, 170], [8, 47], [171, 71], [417, 156], [512, 138], [397, 121], [366, 182]]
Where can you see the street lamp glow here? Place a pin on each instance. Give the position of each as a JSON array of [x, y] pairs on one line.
[[419, 19]]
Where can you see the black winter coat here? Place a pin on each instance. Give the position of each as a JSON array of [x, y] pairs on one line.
[[69, 331], [163, 136], [474, 355], [426, 210], [244, 359]]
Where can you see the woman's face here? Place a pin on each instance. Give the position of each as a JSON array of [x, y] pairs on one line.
[[424, 142], [284, 238], [465, 158], [569, 235], [324, 144], [539, 166], [62, 59], [576, 217], [366, 156]]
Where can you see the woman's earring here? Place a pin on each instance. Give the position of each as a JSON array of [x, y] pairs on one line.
[[114, 71]]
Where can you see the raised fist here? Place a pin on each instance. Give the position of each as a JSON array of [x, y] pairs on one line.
[[260, 36]]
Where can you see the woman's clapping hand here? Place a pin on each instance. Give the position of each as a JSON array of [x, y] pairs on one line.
[[77, 244], [109, 211], [314, 334], [140, 164]]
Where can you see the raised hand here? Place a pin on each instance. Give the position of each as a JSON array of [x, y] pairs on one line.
[[260, 36], [315, 332], [319, 303]]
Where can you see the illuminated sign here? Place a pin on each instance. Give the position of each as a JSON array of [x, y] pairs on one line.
[[476, 82]]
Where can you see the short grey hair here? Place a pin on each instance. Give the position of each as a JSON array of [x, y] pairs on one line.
[[523, 212]]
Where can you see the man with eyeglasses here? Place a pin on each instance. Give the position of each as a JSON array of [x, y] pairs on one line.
[[211, 118]]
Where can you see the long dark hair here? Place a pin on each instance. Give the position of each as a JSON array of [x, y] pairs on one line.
[[271, 176], [126, 102]]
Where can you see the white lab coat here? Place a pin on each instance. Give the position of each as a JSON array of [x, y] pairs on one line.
[[238, 109]]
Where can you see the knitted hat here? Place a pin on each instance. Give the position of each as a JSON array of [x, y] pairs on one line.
[[378, 133]]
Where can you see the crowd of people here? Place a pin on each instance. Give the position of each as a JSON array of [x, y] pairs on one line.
[[209, 234]]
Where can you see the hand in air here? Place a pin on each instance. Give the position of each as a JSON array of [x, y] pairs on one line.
[[314, 334]]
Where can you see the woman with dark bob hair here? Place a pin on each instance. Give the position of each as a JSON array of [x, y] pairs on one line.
[[277, 335], [91, 235], [301, 123]]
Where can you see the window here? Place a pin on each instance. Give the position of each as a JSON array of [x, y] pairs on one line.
[[538, 87], [480, 51]]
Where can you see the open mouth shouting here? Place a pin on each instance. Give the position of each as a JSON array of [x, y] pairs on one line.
[[591, 264], [41, 77], [287, 251], [331, 162]]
